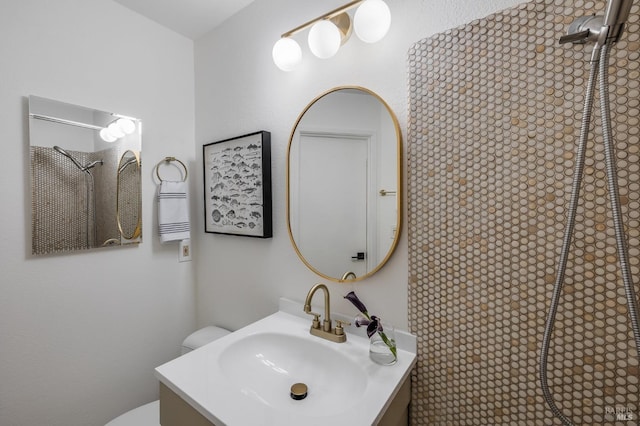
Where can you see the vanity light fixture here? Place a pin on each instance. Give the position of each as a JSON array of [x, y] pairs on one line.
[[328, 32], [117, 129]]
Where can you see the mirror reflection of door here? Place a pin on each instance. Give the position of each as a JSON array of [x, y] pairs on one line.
[[332, 209], [344, 184]]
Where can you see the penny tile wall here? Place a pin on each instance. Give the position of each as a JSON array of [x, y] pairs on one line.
[[494, 118], [59, 201], [59, 217]]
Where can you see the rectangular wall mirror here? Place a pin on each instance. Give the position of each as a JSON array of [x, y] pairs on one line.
[[85, 177]]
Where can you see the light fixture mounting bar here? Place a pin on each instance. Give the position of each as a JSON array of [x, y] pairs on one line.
[[327, 15], [64, 121]]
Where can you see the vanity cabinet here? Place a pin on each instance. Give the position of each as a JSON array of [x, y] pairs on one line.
[[397, 414], [175, 411]]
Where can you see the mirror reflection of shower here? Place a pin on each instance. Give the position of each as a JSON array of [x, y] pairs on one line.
[[90, 198], [76, 162], [76, 176]]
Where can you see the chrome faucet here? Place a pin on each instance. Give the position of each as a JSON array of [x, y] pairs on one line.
[[325, 331]]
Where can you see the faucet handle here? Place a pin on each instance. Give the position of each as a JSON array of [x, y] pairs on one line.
[[316, 318], [340, 328]]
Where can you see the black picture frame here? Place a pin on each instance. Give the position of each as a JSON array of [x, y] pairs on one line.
[[237, 186]]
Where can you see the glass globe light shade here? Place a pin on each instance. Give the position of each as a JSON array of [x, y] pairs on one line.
[[127, 126], [324, 39], [107, 136], [372, 20], [115, 130], [286, 54]]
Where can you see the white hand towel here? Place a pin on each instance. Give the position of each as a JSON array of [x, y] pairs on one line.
[[173, 211]]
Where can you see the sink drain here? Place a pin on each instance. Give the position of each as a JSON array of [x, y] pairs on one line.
[[298, 391]]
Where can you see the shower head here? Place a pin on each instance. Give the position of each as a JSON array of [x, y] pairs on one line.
[[616, 14], [92, 164]]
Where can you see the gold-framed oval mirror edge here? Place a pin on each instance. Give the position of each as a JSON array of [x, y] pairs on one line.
[[341, 140], [129, 160]]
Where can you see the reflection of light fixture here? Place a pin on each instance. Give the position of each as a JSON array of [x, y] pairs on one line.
[[117, 129], [331, 30], [126, 125], [106, 136]]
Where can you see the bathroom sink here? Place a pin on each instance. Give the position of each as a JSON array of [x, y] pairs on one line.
[[246, 377], [264, 366]]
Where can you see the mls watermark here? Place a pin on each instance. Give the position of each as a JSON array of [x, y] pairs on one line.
[[621, 413]]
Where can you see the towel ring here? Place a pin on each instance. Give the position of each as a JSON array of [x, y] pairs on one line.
[[168, 160]]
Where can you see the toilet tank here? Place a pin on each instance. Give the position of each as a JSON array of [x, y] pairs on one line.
[[202, 337]]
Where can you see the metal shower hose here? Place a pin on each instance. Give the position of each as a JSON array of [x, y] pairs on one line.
[[598, 71]]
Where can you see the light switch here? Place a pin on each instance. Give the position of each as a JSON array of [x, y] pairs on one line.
[[185, 251]]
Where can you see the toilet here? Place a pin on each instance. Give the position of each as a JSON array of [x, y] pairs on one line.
[[149, 414]]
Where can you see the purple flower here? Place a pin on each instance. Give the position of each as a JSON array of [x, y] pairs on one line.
[[374, 326], [360, 321], [372, 322], [351, 297]]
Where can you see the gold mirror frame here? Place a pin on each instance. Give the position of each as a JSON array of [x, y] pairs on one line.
[[399, 186], [133, 157]]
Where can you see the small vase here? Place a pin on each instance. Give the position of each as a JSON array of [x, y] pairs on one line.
[[382, 346]]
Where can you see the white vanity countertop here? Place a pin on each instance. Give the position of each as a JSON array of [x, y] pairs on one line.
[[198, 378]]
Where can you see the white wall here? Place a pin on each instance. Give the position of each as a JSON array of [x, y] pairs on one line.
[[81, 333], [239, 90]]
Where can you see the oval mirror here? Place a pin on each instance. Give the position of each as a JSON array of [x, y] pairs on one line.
[[344, 184], [129, 197]]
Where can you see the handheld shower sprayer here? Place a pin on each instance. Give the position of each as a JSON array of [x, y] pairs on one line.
[[604, 32], [90, 188], [76, 162], [69, 156], [615, 16]]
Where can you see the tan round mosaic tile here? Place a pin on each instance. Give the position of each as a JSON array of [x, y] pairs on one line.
[[60, 220], [494, 117]]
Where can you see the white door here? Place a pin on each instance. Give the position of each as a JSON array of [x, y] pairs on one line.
[[332, 209]]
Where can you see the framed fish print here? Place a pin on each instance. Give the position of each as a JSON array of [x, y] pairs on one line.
[[237, 186]]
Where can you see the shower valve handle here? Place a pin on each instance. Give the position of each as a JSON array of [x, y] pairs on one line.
[[583, 30], [576, 38]]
